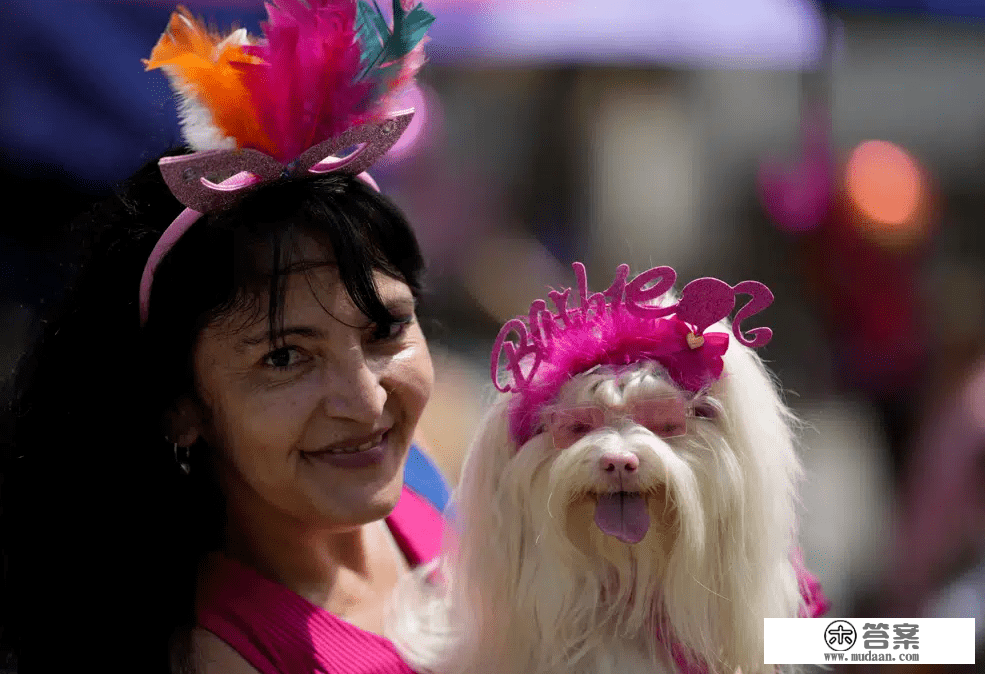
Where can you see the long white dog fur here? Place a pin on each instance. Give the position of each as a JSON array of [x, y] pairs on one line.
[[531, 584]]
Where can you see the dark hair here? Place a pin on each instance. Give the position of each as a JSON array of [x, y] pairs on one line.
[[101, 531]]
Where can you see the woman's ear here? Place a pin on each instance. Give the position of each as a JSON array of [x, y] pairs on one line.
[[183, 422]]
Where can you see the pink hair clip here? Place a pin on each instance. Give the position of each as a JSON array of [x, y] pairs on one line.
[[622, 325], [324, 77]]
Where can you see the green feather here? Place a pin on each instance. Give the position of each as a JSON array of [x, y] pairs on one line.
[[382, 46]]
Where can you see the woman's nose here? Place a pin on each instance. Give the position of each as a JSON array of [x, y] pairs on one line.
[[356, 393]]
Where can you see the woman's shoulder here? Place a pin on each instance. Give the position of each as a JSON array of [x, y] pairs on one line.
[[212, 655]]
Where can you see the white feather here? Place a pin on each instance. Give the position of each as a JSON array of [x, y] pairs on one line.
[[198, 126]]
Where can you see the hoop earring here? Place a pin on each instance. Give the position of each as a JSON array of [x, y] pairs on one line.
[[182, 460]]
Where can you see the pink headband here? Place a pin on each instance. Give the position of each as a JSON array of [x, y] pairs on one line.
[[187, 177], [620, 326]]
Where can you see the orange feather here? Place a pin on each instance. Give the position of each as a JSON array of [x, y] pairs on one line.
[[204, 66]]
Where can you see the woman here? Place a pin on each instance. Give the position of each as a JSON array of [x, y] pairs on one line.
[[283, 353], [211, 478]]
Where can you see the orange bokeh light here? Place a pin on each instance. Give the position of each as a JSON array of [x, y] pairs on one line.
[[885, 182], [888, 188]]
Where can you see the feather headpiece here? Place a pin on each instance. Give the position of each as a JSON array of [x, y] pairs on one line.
[[319, 69], [325, 76]]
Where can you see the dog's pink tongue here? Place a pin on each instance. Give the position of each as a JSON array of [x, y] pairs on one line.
[[623, 515]]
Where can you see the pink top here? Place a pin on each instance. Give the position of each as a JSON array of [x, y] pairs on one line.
[[280, 632]]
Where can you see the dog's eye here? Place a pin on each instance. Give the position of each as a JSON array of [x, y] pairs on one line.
[[570, 426], [666, 429], [705, 411]]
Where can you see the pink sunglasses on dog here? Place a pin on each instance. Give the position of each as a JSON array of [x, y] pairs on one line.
[[665, 416]]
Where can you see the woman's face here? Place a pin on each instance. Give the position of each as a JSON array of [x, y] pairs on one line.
[[318, 426]]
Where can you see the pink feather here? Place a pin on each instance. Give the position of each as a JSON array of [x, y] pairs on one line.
[[305, 91]]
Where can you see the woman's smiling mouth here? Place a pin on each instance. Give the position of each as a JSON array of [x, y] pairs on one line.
[[357, 454]]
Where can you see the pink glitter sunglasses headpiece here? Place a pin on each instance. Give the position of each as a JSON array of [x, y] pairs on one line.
[[620, 326], [188, 178]]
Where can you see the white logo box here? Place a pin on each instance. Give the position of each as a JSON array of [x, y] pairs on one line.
[[829, 641]]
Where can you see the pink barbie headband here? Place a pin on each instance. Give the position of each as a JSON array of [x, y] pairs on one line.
[[620, 326], [326, 76]]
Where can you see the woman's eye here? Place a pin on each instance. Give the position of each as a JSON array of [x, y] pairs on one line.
[[283, 358], [390, 331]]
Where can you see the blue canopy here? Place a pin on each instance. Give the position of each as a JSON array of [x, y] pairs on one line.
[[954, 8], [74, 97], [75, 100]]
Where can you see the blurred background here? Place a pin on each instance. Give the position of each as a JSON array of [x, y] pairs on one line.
[[835, 151]]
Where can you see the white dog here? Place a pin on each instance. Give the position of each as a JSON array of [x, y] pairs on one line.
[[641, 527]]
